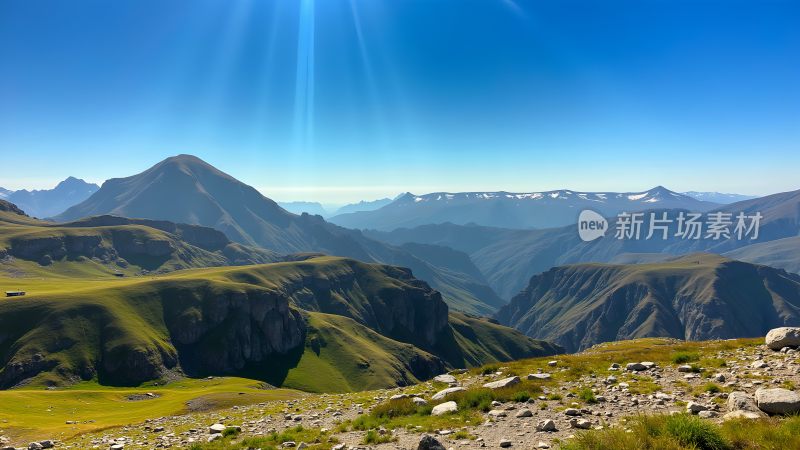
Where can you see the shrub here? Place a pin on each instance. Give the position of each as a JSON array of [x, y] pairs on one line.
[[694, 432], [230, 431], [373, 437], [395, 408], [488, 370], [521, 396], [463, 434], [587, 395], [712, 388], [684, 357]]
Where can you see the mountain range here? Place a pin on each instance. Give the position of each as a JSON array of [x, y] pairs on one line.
[[49, 202], [512, 210], [694, 297], [316, 208], [185, 189], [508, 258]]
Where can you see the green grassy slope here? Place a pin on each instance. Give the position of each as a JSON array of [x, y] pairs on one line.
[[695, 297], [102, 246], [363, 325]]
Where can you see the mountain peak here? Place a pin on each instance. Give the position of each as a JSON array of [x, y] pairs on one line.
[[72, 182]]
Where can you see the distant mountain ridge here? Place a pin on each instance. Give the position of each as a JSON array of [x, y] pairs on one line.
[[508, 258], [49, 202], [364, 205], [312, 208], [512, 210], [696, 297], [186, 189], [718, 197]]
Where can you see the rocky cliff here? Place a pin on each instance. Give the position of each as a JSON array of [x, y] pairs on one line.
[[696, 297]]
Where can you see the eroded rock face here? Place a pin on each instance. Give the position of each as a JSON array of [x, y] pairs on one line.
[[409, 311], [225, 332], [777, 338]]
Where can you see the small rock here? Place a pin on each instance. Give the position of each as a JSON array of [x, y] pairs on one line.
[[694, 407], [505, 443], [572, 412], [444, 408], [546, 425], [445, 378], [759, 365], [445, 392], [581, 424], [635, 367], [539, 376], [524, 413], [428, 443], [419, 401], [685, 368], [216, 428], [505, 382], [552, 363]]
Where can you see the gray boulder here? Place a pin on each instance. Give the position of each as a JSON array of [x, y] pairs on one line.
[[778, 401], [740, 401], [777, 338]]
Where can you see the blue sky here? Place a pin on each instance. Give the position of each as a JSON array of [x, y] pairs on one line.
[[340, 100]]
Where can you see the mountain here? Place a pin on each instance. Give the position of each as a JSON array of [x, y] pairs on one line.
[[718, 197], [697, 297], [105, 245], [364, 205], [781, 253], [4, 193], [313, 208], [508, 258], [185, 189], [50, 202], [322, 323], [512, 210]]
